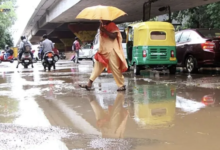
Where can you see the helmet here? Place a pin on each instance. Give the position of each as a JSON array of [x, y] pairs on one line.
[[45, 36], [76, 38], [23, 37]]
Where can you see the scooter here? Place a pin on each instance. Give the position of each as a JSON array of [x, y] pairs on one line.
[[10, 58], [26, 60], [49, 61]]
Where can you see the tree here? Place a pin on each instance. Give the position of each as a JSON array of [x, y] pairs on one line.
[[6, 39], [206, 16], [7, 19]]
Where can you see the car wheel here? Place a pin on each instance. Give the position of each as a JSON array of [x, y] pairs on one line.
[[172, 69], [137, 69], [190, 64]]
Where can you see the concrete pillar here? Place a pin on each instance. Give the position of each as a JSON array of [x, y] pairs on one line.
[[60, 47], [84, 31], [68, 42]]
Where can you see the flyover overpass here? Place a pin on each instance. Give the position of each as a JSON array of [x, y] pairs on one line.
[[57, 17]]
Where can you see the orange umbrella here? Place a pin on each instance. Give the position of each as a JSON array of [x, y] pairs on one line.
[[100, 13]]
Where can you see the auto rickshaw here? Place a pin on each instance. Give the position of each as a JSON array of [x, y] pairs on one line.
[[154, 106], [151, 44]]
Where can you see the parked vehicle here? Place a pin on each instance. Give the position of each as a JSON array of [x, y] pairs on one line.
[[96, 44], [49, 61], [36, 55], [198, 48], [62, 55], [151, 44], [2, 58], [86, 52]]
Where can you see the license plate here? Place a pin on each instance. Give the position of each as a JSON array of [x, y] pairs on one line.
[[173, 59], [26, 60], [50, 59]]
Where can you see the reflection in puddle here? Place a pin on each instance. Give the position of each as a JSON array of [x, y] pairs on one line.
[[111, 122], [188, 106], [154, 105]]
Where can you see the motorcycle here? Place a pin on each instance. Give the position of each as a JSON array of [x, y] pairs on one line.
[[62, 56], [26, 60], [49, 61], [10, 58]]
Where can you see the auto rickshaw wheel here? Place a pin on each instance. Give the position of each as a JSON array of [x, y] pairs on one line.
[[137, 69], [172, 69]]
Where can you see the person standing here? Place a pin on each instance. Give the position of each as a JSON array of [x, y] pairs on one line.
[[76, 47], [110, 55]]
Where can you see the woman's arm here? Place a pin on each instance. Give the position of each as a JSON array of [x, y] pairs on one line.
[[110, 34]]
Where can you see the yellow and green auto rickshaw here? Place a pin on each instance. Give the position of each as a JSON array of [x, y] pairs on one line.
[[151, 44], [156, 108]]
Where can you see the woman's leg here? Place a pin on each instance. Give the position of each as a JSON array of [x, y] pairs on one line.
[[114, 64], [97, 70]]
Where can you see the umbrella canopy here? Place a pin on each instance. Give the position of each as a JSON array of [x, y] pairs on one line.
[[100, 13]]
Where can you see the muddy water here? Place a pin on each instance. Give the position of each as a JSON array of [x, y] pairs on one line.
[[47, 110]]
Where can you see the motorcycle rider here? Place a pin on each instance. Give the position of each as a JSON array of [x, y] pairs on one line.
[[8, 52], [22, 45], [24, 42], [47, 46]]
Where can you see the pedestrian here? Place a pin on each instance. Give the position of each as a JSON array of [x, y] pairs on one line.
[[47, 46], [76, 47], [110, 55]]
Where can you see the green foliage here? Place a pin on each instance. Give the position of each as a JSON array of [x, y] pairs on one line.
[[206, 16], [7, 19]]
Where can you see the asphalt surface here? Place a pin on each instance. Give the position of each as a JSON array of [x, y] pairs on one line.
[[48, 111]]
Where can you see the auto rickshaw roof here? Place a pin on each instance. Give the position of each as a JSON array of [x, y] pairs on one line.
[[156, 25]]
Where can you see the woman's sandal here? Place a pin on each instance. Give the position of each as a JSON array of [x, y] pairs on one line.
[[121, 88], [85, 87]]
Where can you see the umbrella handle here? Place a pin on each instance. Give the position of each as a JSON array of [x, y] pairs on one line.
[[101, 22]]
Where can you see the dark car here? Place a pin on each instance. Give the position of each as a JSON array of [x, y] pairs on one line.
[[198, 48]]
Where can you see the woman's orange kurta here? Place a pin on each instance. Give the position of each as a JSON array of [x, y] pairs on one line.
[[107, 45]]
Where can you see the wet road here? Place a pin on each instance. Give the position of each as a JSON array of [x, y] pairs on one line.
[[48, 111]]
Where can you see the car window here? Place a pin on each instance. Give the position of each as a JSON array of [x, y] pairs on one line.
[[177, 36], [158, 35], [184, 36], [87, 46], [194, 36], [212, 33]]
